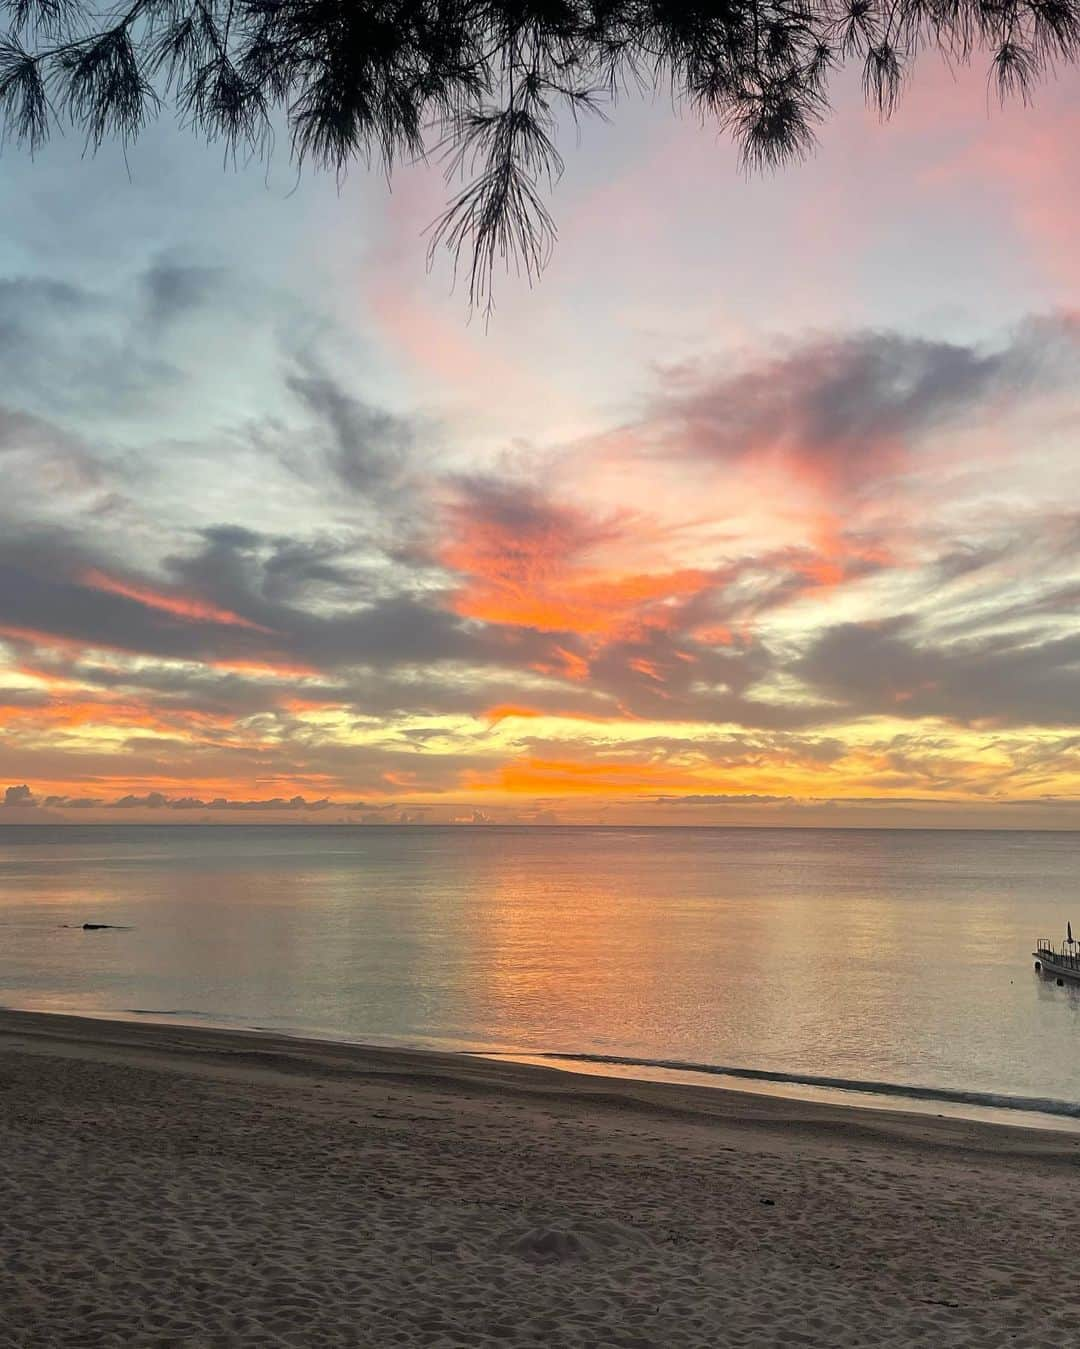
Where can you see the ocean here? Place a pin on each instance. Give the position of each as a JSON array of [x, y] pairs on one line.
[[873, 965]]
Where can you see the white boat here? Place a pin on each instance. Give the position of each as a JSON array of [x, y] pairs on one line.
[[1063, 960]]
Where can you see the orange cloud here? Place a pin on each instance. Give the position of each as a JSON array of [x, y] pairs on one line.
[[714, 634], [558, 777], [276, 669], [591, 605], [73, 712], [529, 562], [298, 705], [35, 637], [180, 606], [504, 711], [565, 665], [647, 668]]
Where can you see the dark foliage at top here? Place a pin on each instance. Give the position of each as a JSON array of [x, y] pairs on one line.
[[483, 82]]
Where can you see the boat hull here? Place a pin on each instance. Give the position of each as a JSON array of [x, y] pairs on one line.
[[1048, 965]]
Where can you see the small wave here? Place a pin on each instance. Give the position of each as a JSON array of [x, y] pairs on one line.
[[949, 1095]]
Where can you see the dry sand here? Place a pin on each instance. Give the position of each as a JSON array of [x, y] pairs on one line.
[[167, 1186]]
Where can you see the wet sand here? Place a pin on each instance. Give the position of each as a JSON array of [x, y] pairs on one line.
[[161, 1185]]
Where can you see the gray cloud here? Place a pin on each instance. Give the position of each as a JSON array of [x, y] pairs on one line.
[[46, 586], [168, 290], [49, 469], [652, 678], [365, 447], [159, 801], [849, 402], [72, 610], [515, 511], [1008, 678], [68, 350]]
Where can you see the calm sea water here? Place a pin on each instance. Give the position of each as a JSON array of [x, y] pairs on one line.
[[898, 958]]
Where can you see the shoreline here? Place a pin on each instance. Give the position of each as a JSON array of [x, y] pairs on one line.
[[994, 1109], [169, 1185], [195, 1048]]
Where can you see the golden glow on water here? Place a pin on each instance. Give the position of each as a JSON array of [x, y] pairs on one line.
[[579, 942]]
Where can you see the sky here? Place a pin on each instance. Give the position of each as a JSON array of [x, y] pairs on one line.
[[763, 507]]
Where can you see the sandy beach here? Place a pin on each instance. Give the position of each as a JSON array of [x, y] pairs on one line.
[[161, 1185]]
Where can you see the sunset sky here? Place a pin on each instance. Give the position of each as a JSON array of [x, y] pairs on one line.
[[764, 507]]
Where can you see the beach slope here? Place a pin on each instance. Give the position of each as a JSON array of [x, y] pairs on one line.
[[161, 1185]]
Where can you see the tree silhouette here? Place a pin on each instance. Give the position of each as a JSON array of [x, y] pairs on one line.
[[482, 83]]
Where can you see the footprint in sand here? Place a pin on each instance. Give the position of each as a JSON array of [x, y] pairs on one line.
[[585, 1241]]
